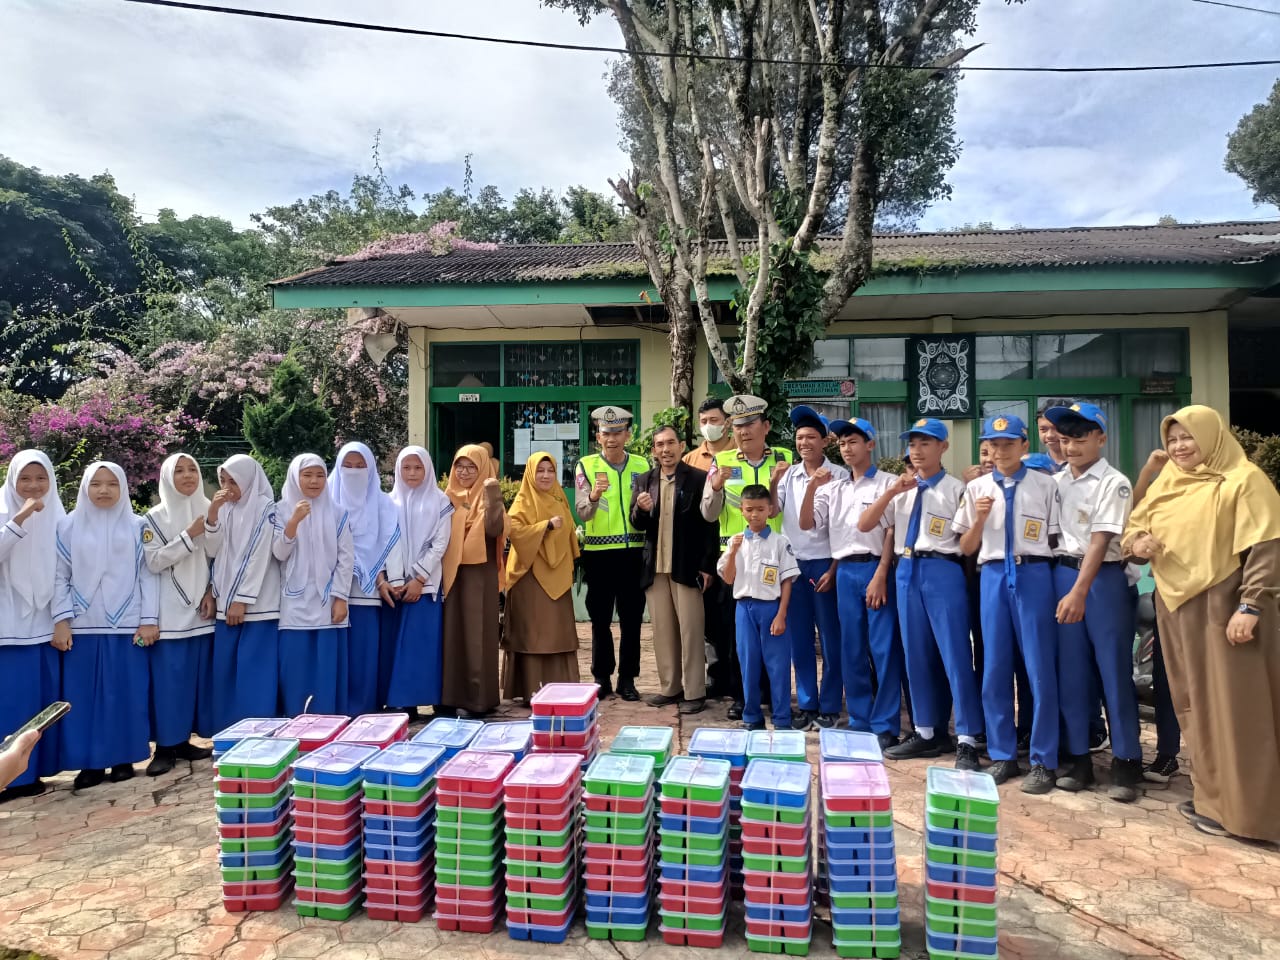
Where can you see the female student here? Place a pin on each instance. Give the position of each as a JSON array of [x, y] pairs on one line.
[[106, 607], [354, 487], [425, 518], [313, 542], [246, 587], [539, 639], [472, 579], [182, 662], [30, 668]]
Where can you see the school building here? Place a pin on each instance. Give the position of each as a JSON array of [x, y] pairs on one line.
[[518, 344]]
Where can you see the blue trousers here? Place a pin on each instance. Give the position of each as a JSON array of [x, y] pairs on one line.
[[868, 642], [1022, 618], [1168, 731], [30, 680], [1104, 637], [313, 664], [757, 649], [809, 610], [105, 679], [246, 672], [181, 689], [364, 640], [933, 613]]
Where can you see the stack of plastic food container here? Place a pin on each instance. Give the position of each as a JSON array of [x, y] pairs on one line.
[[399, 819], [731, 745], [514, 737], [646, 742], [961, 812], [777, 828], [327, 786], [694, 851], [380, 730], [469, 841], [224, 740], [856, 844], [313, 730], [252, 797], [619, 848], [453, 734], [776, 745], [843, 746], [543, 797], [565, 720]]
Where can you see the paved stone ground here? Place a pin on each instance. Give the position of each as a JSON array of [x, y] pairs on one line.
[[130, 871]]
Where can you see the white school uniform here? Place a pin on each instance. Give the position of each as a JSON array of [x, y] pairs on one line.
[[179, 561], [375, 529], [28, 558], [764, 562], [838, 505], [425, 527], [812, 544], [1098, 501], [244, 568], [318, 561], [1035, 519], [941, 503]]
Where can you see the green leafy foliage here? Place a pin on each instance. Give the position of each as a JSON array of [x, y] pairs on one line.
[[642, 442], [1262, 450], [1253, 149], [291, 420]]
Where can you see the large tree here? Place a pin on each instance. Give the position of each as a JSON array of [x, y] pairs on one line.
[[1253, 150], [795, 116]]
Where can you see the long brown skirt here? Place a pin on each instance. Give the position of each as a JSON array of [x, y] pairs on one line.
[[469, 672], [539, 640], [1227, 699]]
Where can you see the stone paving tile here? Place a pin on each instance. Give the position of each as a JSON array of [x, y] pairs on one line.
[[130, 871]]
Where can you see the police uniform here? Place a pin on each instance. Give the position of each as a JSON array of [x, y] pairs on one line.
[[865, 634], [764, 562], [612, 555], [933, 600], [1097, 501], [1018, 600], [810, 609]]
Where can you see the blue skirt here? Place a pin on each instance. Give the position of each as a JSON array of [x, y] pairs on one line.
[[245, 678], [181, 689], [415, 676], [388, 632], [106, 681], [363, 660], [313, 665], [30, 680]]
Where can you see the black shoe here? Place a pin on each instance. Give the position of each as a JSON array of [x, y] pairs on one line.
[[660, 699], [887, 740], [162, 762], [628, 692], [1126, 777], [606, 689], [688, 707], [191, 753], [1099, 741], [735, 710], [1160, 770], [827, 721], [753, 725], [805, 720], [1077, 774], [32, 789], [915, 747], [1024, 745], [88, 778], [1039, 780], [121, 772], [967, 757], [945, 743], [1003, 770]]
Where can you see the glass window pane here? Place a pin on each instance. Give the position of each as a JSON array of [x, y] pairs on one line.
[[465, 365], [1150, 352], [541, 365], [830, 359], [889, 419], [880, 359], [1003, 358], [731, 347], [1077, 355], [1010, 408], [831, 409], [611, 363], [1147, 415], [528, 416]]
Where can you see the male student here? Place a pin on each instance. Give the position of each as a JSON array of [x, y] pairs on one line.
[[864, 592], [1010, 519], [1095, 609], [813, 597], [1050, 439], [932, 598]]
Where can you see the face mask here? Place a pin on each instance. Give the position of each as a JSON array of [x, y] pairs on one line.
[[713, 431], [355, 482]]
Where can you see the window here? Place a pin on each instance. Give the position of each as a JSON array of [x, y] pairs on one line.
[[540, 365], [830, 359], [465, 365], [731, 348], [611, 363], [534, 425], [1008, 408], [879, 359], [1062, 355], [1152, 352], [832, 409], [1147, 416], [890, 420], [1003, 358]]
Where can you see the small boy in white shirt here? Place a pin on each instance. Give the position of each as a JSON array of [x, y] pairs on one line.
[[760, 566]]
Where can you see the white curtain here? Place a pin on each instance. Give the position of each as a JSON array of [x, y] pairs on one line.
[[889, 419]]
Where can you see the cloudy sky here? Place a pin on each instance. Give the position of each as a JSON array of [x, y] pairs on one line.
[[222, 115]]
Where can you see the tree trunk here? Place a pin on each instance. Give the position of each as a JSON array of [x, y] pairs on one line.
[[683, 338]]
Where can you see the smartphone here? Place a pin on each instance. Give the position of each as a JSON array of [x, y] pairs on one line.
[[601, 475], [42, 721]]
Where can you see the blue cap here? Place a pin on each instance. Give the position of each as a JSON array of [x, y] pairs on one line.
[[803, 416], [1040, 461], [841, 427], [1003, 427], [1088, 412], [926, 427]]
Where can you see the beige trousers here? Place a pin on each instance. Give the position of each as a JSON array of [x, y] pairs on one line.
[[678, 642]]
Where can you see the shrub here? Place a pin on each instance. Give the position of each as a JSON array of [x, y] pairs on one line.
[[642, 442], [288, 422]]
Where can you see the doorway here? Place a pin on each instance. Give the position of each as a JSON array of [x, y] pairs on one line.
[[461, 423]]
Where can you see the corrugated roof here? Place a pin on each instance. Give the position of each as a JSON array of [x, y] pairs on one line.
[[1208, 243]]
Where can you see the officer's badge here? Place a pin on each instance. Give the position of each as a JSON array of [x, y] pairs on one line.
[[147, 536]]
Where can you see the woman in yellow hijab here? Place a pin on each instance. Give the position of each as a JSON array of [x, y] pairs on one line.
[[1210, 525], [539, 638], [472, 574]]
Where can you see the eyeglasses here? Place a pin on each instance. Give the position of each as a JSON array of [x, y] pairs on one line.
[[465, 468]]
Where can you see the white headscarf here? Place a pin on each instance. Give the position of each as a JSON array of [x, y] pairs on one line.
[[315, 554], [372, 515], [29, 568], [243, 523], [421, 508], [106, 547], [174, 515]]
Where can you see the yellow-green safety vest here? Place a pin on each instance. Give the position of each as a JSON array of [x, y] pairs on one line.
[[743, 474], [610, 526]]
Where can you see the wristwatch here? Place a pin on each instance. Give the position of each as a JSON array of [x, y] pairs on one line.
[[1252, 611]]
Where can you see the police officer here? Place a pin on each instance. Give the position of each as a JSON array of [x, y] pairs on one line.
[[612, 550]]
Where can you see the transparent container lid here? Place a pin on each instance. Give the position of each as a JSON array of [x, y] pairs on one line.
[[475, 767], [575, 695], [697, 772], [375, 728], [714, 740], [964, 784], [776, 743], [265, 752], [648, 740], [313, 726], [449, 732], [510, 737], [408, 758], [854, 780], [336, 758], [545, 770], [621, 768], [853, 745], [777, 776]]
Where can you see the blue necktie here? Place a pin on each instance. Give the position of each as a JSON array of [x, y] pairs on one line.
[[1010, 560], [913, 525]]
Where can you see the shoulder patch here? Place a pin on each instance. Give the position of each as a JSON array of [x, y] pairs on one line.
[[147, 535], [1124, 492], [789, 550]]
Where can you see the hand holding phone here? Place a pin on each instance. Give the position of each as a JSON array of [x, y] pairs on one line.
[[42, 721]]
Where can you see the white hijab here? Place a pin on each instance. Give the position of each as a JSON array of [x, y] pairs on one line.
[[30, 567], [372, 515], [243, 523], [421, 508], [174, 515], [315, 554], [106, 547]]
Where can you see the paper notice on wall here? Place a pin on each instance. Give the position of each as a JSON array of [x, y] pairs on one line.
[[521, 452], [567, 431], [544, 431], [553, 447]]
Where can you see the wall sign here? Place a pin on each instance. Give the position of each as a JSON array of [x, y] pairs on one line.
[[468, 398], [817, 389], [940, 377]]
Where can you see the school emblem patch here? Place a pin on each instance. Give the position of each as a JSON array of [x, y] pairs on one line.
[[769, 576], [1075, 407], [922, 422], [147, 536], [1032, 529], [1124, 493], [1000, 423], [937, 526]]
